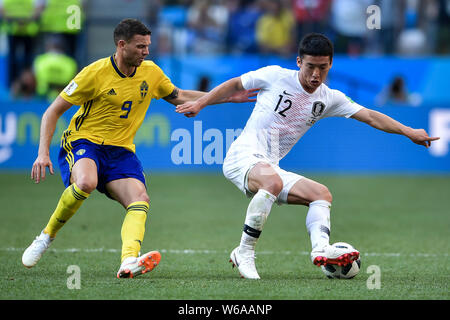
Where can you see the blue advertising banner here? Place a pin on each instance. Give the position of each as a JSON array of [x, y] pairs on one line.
[[168, 141]]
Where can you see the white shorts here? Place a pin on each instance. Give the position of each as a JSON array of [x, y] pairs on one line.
[[238, 163]]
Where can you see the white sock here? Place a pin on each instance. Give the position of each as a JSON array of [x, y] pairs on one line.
[[257, 212], [318, 223]]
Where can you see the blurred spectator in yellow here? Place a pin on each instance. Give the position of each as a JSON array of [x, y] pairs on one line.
[[24, 86], [65, 18], [275, 29], [53, 69], [19, 20]]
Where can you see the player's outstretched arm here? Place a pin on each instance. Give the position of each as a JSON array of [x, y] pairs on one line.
[[179, 96], [222, 93], [385, 123], [48, 125]]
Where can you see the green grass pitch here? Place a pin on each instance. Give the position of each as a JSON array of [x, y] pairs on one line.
[[399, 223]]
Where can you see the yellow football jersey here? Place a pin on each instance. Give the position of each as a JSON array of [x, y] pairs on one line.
[[113, 105]]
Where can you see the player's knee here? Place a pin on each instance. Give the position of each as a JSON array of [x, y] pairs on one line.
[[263, 176], [143, 196], [324, 194], [86, 183], [274, 185]]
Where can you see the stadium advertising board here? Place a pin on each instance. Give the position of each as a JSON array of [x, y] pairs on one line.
[[168, 141]]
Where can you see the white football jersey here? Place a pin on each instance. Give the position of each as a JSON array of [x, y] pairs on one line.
[[284, 111]]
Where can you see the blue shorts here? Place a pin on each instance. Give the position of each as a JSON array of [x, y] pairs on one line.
[[112, 162]]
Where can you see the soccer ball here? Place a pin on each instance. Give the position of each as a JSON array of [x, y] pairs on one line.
[[348, 271]]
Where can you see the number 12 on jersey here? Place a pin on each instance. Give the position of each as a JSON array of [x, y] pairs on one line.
[[287, 104]]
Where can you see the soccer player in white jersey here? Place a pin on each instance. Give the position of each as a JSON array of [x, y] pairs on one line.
[[288, 104]]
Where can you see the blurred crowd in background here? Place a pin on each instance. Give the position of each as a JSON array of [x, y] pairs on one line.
[[408, 27], [44, 53]]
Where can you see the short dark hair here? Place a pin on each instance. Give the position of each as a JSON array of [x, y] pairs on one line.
[[315, 44], [127, 28]]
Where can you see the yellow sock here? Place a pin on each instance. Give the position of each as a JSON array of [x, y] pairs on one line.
[[133, 229], [70, 201]]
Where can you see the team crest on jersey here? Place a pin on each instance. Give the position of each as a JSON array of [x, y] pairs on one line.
[[81, 152], [144, 90], [316, 111]]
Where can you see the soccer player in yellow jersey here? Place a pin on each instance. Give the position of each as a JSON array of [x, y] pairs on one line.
[[97, 150]]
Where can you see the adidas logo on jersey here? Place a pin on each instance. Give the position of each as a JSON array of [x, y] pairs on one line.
[[112, 93]]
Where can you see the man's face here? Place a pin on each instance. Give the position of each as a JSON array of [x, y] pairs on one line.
[[135, 50], [313, 71]]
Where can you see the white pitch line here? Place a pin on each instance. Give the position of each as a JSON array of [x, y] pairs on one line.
[[199, 251]]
